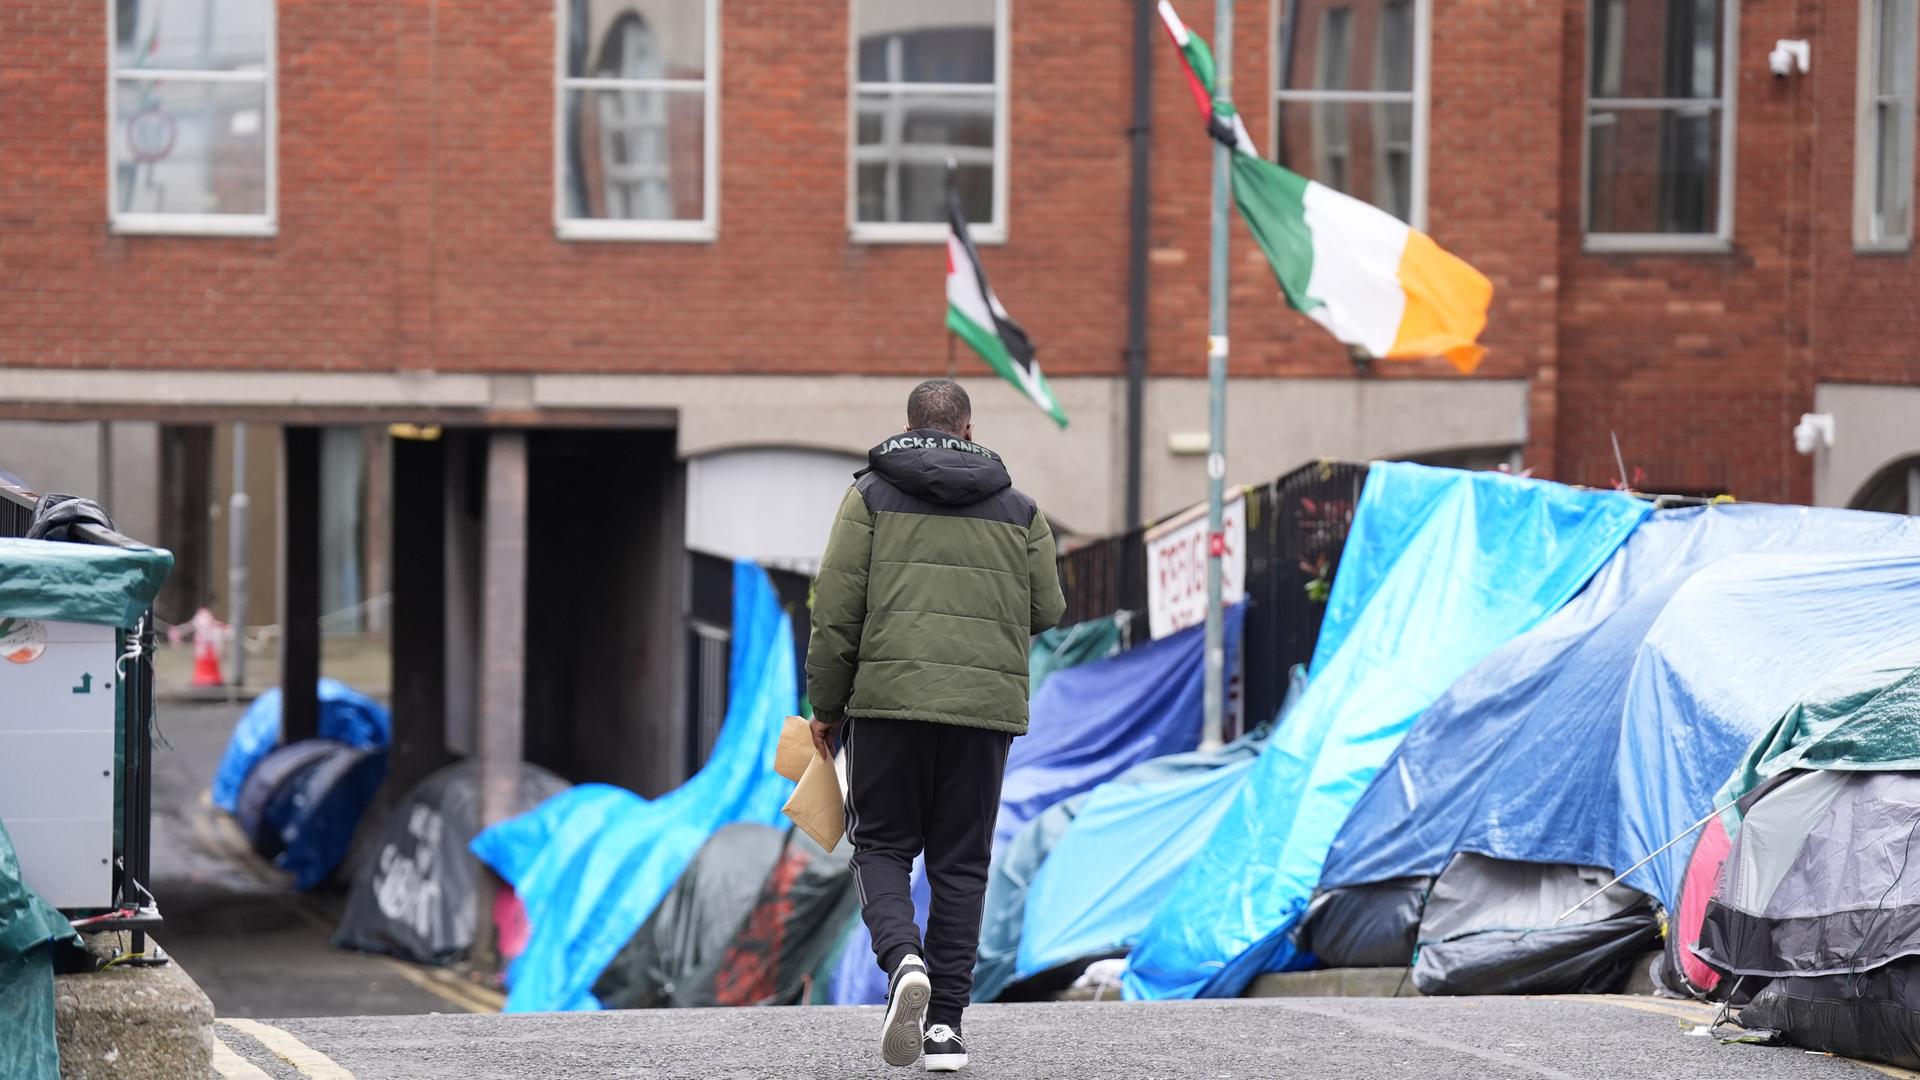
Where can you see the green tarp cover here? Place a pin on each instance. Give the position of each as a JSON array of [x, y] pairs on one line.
[[1070, 646], [1864, 718], [30, 933], [82, 583]]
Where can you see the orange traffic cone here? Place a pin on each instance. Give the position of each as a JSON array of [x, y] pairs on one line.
[[207, 635]]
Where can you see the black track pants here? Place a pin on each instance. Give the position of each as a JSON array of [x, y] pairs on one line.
[[913, 787]]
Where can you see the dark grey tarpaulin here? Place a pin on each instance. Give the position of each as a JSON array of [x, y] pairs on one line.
[[695, 920], [1489, 928], [746, 924], [1823, 879], [1873, 1016], [414, 897], [1375, 925]]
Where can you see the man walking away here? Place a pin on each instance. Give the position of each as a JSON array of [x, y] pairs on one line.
[[936, 575]]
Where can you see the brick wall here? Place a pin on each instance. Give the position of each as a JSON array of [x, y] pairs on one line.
[[416, 195]]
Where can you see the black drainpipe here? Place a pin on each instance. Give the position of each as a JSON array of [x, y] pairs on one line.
[[1141, 133]]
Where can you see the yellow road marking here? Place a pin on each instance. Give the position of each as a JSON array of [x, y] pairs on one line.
[[310, 1062], [1702, 1012], [232, 1066], [449, 988]]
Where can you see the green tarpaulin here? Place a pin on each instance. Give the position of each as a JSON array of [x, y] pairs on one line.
[[31, 934], [1070, 646], [1863, 718], [82, 583]]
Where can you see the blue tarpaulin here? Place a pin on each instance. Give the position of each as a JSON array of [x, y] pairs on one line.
[[1086, 887], [591, 863], [1090, 723], [1125, 848], [1740, 643], [1441, 568], [346, 715], [1525, 757]]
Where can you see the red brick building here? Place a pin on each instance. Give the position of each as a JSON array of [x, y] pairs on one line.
[[693, 246]]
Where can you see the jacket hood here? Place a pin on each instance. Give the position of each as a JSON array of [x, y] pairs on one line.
[[939, 467]]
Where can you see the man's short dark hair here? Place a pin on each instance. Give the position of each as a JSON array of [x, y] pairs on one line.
[[939, 404]]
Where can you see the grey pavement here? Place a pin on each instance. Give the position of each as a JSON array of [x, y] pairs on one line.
[[234, 922], [1431, 1039]]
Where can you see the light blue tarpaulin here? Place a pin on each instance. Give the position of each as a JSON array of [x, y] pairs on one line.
[[1073, 889], [1441, 568], [591, 863], [1740, 643], [346, 715], [1088, 724], [1521, 759], [1125, 848], [1091, 723]]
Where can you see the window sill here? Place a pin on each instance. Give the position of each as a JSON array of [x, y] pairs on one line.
[[671, 232], [1655, 244], [1883, 247], [247, 225], [919, 232]]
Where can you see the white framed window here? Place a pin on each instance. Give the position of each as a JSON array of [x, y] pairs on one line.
[[1350, 99], [636, 120], [1658, 172], [190, 117], [929, 84], [1883, 136]]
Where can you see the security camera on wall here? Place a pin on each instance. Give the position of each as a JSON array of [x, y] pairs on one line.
[[1790, 58], [1813, 433]]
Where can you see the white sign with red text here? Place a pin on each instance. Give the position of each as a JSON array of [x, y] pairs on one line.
[[1177, 566]]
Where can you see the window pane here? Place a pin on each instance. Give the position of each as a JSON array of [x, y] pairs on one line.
[[191, 147], [1362, 47], [1394, 69], [636, 155], [1894, 69], [905, 141], [1656, 48], [192, 35], [1362, 148], [1893, 179], [1654, 171], [637, 39], [946, 41]]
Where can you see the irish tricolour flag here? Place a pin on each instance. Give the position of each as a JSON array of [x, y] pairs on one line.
[[1352, 267], [975, 314]]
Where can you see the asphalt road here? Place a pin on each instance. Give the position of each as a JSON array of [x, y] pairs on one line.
[[234, 922], [1434, 1039]]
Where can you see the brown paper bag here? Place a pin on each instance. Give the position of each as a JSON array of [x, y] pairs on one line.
[[817, 805], [790, 758]]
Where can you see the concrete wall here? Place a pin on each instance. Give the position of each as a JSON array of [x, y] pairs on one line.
[[1874, 426], [774, 506], [1078, 474], [65, 457]]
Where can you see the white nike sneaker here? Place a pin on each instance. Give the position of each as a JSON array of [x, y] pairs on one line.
[[907, 996], [945, 1052]]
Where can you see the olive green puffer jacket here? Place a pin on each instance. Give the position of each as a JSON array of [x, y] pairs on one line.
[[936, 576]]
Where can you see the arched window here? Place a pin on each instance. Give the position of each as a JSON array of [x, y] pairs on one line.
[[1895, 489]]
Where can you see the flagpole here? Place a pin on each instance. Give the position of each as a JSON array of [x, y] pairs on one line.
[[953, 168], [1215, 701]]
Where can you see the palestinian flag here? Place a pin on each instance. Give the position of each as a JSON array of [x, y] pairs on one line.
[[1355, 269], [974, 313]]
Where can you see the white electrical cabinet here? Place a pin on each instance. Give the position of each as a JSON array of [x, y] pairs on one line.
[[58, 686]]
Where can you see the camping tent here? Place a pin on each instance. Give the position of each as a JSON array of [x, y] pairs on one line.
[[591, 863], [1441, 568], [1091, 722], [1822, 879], [415, 898], [1600, 735]]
